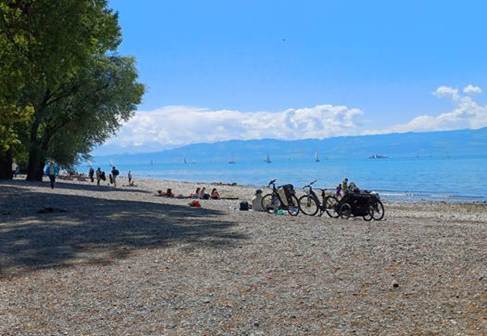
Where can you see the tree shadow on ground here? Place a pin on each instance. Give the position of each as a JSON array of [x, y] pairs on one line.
[[85, 186], [95, 230]]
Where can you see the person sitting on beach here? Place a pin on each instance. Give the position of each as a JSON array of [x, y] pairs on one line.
[[196, 194], [214, 194], [345, 185], [168, 193], [339, 191], [257, 201], [203, 194], [353, 188]]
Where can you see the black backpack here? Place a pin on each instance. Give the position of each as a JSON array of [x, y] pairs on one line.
[[115, 172], [244, 206]]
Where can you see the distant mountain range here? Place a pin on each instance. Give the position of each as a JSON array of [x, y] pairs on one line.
[[462, 143]]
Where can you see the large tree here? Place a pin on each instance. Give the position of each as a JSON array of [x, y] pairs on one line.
[[107, 95], [53, 44]]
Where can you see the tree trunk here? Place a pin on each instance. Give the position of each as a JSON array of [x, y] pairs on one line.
[[6, 160], [34, 163], [35, 154]]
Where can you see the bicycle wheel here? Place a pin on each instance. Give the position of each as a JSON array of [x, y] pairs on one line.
[[370, 215], [293, 207], [270, 202], [345, 211], [331, 206], [308, 205], [379, 212]]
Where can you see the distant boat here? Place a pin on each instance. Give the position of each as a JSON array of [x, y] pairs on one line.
[[185, 161], [268, 159], [317, 157], [232, 161], [377, 156]]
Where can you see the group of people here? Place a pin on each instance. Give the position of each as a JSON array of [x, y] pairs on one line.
[[100, 175], [200, 193], [345, 187]]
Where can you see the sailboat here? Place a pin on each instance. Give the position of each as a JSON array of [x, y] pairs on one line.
[[268, 159], [232, 161], [317, 157], [185, 161]]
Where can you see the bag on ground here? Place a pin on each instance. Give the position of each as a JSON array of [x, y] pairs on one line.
[[244, 206]]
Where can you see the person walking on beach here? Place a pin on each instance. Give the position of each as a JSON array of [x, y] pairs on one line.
[[91, 174], [15, 169], [52, 170], [115, 173], [129, 175], [98, 176]]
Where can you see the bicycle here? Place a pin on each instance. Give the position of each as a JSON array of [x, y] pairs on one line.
[[274, 201], [310, 203]]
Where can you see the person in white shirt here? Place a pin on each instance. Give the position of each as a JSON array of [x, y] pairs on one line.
[[257, 201]]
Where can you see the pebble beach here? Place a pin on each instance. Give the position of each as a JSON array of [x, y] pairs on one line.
[[123, 261]]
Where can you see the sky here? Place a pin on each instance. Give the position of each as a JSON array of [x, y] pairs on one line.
[[248, 69]]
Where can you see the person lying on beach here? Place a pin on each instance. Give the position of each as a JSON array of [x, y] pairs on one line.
[[168, 193], [214, 194]]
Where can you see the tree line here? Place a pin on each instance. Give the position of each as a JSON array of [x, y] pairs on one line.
[[63, 87]]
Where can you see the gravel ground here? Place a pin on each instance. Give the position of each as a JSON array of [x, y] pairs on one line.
[[125, 262]]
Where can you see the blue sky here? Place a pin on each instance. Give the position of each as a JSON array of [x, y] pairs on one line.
[[385, 58]]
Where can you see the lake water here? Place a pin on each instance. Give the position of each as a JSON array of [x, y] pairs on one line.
[[451, 179]]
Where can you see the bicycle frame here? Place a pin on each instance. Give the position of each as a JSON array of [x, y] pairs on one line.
[[275, 193], [312, 194]]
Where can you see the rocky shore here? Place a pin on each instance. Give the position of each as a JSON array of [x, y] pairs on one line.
[[88, 260]]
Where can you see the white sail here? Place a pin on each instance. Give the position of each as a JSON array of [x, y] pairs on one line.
[[317, 157], [268, 159]]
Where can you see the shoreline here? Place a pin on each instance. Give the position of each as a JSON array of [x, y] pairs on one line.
[[387, 195], [398, 197]]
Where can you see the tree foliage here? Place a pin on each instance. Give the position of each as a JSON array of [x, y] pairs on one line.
[[61, 77], [107, 96]]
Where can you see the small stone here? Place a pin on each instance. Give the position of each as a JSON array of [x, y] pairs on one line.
[[395, 284], [256, 324]]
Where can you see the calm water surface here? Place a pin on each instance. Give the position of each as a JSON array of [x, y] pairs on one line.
[[455, 179]]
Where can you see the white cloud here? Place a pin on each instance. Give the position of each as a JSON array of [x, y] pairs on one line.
[[472, 89], [172, 126], [467, 113], [446, 91]]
